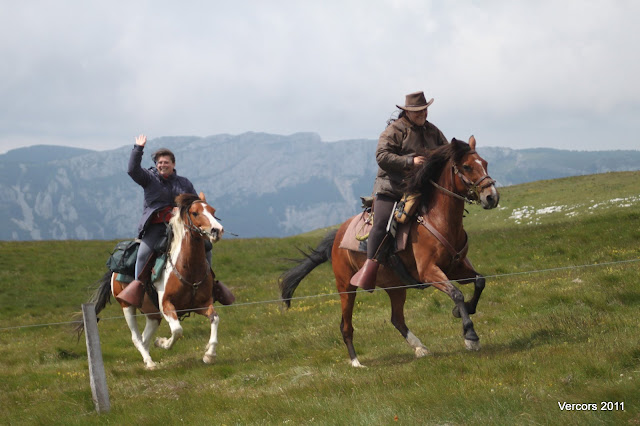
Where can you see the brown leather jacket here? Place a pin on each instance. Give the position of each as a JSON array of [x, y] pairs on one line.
[[398, 144]]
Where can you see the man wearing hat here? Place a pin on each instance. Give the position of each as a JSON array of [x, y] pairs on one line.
[[402, 145]]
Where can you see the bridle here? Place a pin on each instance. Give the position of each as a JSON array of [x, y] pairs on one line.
[[473, 188], [472, 196], [191, 227]]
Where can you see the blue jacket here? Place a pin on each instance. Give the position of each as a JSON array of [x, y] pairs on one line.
[[158, 191]]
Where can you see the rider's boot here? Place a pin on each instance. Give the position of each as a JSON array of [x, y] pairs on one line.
[[365, 278], [222, 294], [133, 293]]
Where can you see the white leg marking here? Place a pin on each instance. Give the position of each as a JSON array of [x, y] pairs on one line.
[[150, 329], [176, 334], [418, 348], [210, 352], [174, 324], [356, 363], [138, 341]]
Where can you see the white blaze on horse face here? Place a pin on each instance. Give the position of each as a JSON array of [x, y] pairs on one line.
[[215, 225], [484, 171]]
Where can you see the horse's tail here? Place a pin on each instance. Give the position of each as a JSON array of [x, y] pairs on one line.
[[99, 298], [290, 279]]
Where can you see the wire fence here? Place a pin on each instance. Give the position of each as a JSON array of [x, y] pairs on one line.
[[323, 295]]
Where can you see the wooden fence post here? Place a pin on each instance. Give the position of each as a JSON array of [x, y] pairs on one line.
[[97, 376]]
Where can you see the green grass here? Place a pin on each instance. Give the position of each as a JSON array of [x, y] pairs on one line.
[[552, 329]]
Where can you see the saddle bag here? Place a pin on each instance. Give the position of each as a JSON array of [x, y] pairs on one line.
[[123, 257], [406, 207]]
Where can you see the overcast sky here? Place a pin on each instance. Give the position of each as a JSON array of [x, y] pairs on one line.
[[518, 74]]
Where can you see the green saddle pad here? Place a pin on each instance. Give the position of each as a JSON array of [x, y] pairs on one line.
[[158, 267]]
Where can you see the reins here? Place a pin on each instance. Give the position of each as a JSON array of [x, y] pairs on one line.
[[453, 194], [194, 285], [456, 255]]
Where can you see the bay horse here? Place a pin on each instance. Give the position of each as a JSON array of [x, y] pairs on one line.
[[436, 252], [184, 286]]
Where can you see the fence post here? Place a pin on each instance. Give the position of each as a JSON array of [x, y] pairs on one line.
[[97, 376]]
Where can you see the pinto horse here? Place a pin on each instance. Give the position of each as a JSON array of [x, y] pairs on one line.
[[435, 254], [184, 286]]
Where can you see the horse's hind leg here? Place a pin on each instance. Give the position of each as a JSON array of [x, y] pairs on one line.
[[347, 300], [398, 298], [137, 338]]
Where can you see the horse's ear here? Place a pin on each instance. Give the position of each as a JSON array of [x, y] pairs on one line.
[[202, 197], [472, 142]]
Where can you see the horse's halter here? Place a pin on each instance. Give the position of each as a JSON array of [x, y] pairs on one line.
[[191, 227], [473, 188]]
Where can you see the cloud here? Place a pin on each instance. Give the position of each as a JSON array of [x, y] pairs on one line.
[[94, 75]]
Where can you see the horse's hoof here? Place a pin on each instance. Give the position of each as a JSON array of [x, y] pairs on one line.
[[472, 345], [151, 365], [209, 359], [356, 363], [422, 351], [161, 342]]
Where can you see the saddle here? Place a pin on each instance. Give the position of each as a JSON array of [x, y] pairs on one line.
[[355, 239]]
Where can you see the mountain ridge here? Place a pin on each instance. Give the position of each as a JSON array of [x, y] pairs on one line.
[[262, 185]]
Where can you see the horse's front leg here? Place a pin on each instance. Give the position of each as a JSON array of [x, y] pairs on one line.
[[137, 338], [210, 349], [472, 304], [169, 313], [398, 296], [463, 275], [439, 280]]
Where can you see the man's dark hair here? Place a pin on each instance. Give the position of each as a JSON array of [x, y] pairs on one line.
[[163, 152]]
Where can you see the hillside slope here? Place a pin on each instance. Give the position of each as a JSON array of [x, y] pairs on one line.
[[553, 330]]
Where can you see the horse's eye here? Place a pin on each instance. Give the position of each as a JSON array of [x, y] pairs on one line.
[[466, 168], [195, 214]]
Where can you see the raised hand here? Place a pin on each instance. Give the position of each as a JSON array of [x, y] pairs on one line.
[[141, 140]]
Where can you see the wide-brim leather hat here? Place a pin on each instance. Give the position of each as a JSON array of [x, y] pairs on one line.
[[415, 102]]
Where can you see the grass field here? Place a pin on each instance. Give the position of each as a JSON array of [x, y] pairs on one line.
[[558, 324]]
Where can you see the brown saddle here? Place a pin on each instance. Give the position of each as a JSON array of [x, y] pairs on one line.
[[355, 238]]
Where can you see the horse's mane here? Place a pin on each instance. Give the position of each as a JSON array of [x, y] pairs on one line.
[[419, 179], [183, 201]]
